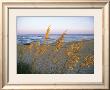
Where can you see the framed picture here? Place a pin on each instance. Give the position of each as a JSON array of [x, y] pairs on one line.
[[54, 44]]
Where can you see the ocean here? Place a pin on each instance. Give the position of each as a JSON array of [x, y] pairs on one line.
[[28, 38]]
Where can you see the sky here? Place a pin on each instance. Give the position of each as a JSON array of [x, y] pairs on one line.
[[71, 24]]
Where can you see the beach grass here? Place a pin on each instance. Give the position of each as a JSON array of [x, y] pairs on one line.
[[75, 57], [60, 57]]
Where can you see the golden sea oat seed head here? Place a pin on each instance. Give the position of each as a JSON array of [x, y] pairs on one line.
[[88, 60]]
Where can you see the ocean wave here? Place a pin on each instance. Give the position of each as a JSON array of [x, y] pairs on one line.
[[24, 39]]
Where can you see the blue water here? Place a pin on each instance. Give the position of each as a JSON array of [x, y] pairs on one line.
[[28, 38]]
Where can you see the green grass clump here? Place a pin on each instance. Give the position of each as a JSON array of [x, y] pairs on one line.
[[23, 68]]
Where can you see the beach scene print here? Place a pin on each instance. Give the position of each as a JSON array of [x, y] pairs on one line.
[[55, 44]]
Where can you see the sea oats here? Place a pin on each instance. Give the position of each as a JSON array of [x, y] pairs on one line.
[[88, 61], [47, 33], [59, 42], [72, 61]]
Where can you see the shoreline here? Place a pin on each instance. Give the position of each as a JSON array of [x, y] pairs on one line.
[[64, 42]]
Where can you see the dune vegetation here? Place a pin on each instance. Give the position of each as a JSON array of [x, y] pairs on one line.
[[60, 57]]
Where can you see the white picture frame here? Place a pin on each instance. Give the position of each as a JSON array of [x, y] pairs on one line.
[[11, 9]]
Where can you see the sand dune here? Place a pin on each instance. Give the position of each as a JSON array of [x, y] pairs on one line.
[[47, 60]]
